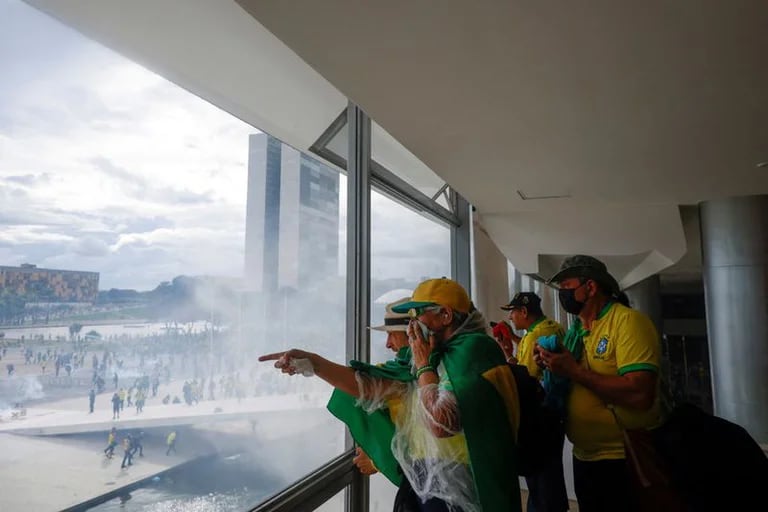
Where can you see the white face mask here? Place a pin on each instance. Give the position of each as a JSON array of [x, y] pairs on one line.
[[425, 332]]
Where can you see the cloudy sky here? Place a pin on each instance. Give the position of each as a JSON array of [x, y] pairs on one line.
[[107, 167]]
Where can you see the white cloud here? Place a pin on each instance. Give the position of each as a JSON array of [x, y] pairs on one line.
[[105, 166], [21, 234]]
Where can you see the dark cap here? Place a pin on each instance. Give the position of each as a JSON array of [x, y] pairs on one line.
[[585, 267], [523, 299]]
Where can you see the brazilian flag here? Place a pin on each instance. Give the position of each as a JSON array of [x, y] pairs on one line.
[[488, 406]]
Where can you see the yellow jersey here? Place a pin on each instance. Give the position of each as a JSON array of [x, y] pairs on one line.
[[620, 340], [541, 327]]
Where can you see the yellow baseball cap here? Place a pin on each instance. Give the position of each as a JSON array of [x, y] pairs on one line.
[[437, 292]]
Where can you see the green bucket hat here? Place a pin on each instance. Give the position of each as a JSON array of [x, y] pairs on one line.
[[585, 267]]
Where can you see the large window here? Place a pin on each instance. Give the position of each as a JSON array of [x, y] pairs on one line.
[[406, 248], [152, 247]]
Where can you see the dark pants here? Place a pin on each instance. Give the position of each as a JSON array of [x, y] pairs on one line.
[[406, 500], [546, 489], [90, 404], [171, 447], [127, 459], [603, 486]]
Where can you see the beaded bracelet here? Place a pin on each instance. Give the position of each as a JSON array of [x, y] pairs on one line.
[[424, 369]]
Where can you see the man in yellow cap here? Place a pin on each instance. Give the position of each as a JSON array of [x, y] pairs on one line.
[[451, 446]]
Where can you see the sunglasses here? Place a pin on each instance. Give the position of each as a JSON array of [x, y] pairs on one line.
[[417, 312]]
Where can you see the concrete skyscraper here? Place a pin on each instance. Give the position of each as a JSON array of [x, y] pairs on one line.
[[292, 218]]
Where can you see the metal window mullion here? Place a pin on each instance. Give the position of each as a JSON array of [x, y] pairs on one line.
[[381, 177], [358, 265], [393, 185], [461, 247]]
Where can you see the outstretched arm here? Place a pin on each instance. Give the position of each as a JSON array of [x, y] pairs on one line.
[[339, 376]]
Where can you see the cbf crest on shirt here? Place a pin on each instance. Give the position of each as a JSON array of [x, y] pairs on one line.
[[601, 348]]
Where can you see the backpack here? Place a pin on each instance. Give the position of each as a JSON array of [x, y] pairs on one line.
[[715, 463], [540, 434]]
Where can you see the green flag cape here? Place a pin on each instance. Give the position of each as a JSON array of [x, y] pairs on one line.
[[490, 437]]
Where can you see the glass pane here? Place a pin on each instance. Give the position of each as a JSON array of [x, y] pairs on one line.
[[382, 494], [154, 246], [388, 152], [335, 504], [442, 200], [406, 248]]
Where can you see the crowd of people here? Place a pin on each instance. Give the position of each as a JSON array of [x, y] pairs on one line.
[[133, 443], [441, 419]]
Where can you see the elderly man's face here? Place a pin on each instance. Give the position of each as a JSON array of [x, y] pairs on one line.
[[397, 340], [437, 319]]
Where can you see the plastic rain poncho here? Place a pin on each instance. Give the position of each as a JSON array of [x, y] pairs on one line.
[[453, 440]]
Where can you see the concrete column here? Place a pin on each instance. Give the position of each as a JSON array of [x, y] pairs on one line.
[[491, 280], [549, 302], [734, 240], [645, 296]]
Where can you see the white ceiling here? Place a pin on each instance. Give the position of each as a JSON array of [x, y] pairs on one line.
[[628, 108]]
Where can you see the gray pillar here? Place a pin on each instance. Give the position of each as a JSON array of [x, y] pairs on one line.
[[734, 241], [490, 275], [549, 303], [645, 296], [461, 244]]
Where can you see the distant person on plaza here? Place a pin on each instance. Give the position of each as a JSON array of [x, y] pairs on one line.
[[114, 379], [186, 389], [121, 395], [11, 368], [171, 442], [138, 444], [155, 385], [109, 451], [115, 406], [546, 487], [139, 401], [612, 360], [91, 399], [396, 327], [100, 384], [439, 423], [127, 451]]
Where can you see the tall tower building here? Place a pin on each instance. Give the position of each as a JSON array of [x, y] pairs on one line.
[[292, 218]]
